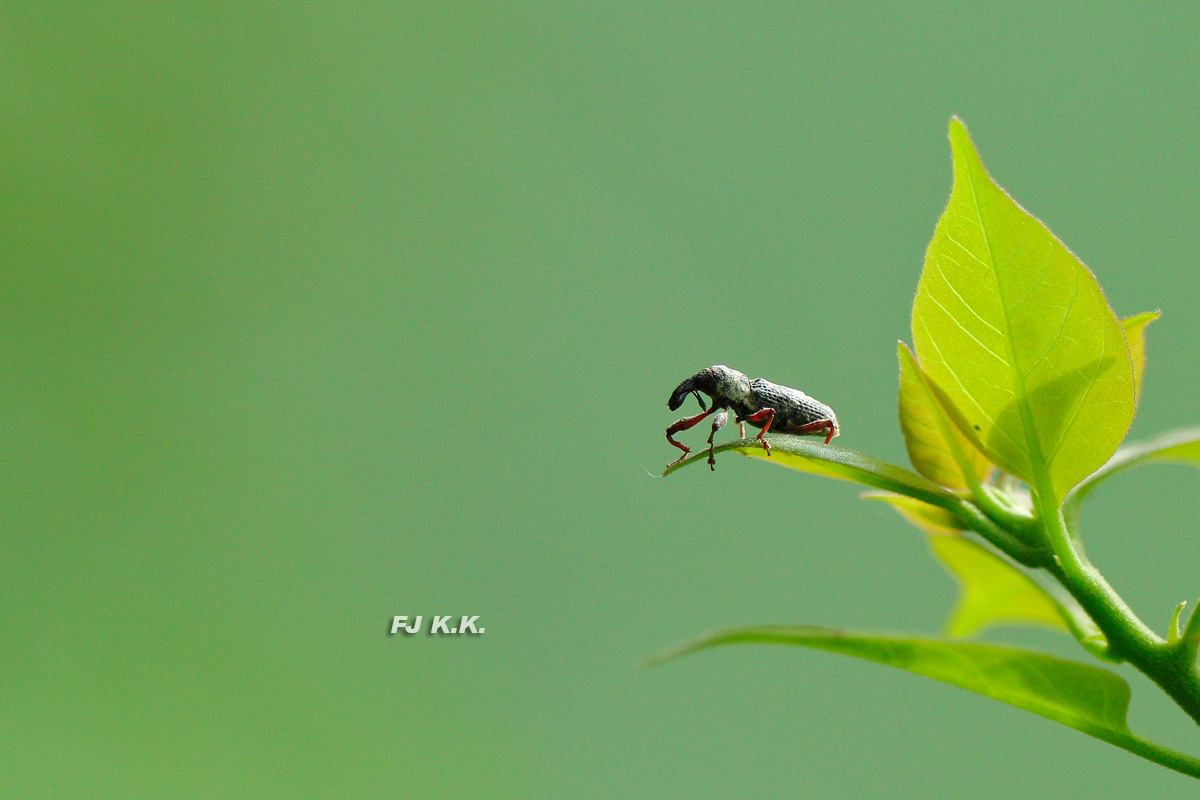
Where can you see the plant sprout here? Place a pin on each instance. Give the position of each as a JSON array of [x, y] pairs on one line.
[[1014, 401]]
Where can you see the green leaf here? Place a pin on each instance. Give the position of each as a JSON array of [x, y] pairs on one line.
[[1135, 335], [1190, 636], [833, 462], [992, 591], [937, 449], [1016, 334], [1082, 697], [1175, 447]]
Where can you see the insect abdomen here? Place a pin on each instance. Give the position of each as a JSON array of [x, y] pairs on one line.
[[793, 408]]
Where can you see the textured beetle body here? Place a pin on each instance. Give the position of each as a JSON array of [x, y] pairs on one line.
[[795, 411], [763, 404]]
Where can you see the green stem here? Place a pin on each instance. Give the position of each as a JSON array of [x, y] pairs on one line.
[[1128, 637], [1094, 593], [1150, 751], [997, 536], [1021, 525]]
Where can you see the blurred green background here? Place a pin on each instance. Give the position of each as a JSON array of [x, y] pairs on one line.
[[317, 315]]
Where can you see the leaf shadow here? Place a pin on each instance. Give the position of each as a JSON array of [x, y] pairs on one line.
[[1053, 406]]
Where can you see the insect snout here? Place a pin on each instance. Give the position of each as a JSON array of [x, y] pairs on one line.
[[690, 386]]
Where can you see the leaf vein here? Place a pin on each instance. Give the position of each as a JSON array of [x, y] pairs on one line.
[[1030, 435], [966, 305], [966, 393], [1062, 434], [963, 328], [1062, 324]]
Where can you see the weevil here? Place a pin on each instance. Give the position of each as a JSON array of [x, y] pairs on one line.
[[763, 404]]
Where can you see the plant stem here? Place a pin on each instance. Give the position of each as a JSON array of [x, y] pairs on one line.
[[998, 536], [1128, 637], [1150, 751]]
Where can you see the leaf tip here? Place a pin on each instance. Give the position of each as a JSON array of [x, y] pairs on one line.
[[958, 132], [961, 145], [1142, 320]]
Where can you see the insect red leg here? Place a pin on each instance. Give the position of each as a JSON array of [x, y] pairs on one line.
[[820, 425], [758, 416], [683, 425]]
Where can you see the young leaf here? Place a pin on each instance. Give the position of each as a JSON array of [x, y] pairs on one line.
[[1015, 332], [1135, 335], [938, 450], [834, 462], [992, 591], [930, 519], [1082, 697], [1175, 447]]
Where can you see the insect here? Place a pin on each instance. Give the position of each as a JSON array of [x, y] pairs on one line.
[[763, 404]]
